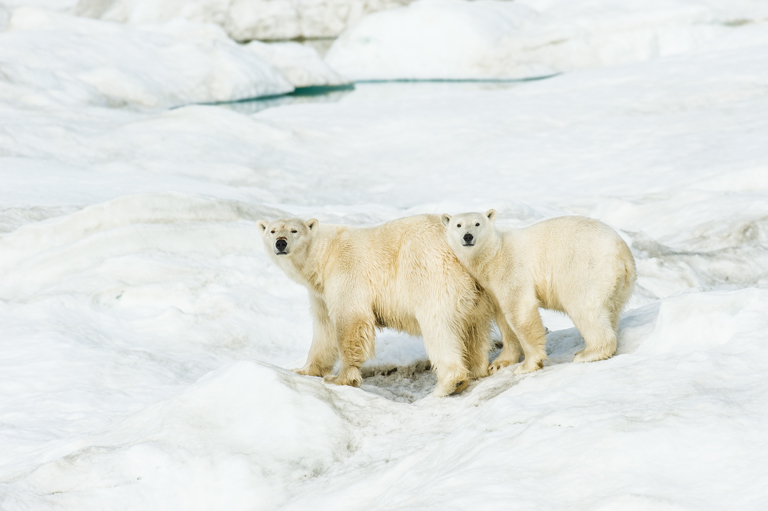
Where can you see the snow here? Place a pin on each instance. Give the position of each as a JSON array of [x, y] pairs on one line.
[[51, 5], [146, 336], [300, 64], [270, 428], [55, 57], [244, 20], [455, 39]]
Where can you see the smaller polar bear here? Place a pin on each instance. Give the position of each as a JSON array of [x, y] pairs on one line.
[[570, 264], [401, 275]]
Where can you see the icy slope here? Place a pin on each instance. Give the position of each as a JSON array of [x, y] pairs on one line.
[[683, 403], [145, 334], [259, 429], [300, 64], [52, 5], [457, 39], [48, 57], [244, 19]]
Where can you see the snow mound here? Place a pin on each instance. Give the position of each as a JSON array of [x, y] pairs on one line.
[[455, 39], [300, 64], [171, 209], [245, 20], [51, 5], [4, 17], [646, 411], [694, 321], [187, 271], [50, 56], [234, 440]]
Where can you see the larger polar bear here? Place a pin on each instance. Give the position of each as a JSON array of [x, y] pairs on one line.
[[571, 264], [401, 275]]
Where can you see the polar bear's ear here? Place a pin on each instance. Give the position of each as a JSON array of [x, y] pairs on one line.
[[446, 219], [312, 224], [262, 225], [491, 215]]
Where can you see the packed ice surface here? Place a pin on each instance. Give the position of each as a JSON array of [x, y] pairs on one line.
[[53, 5], [456, 39], [145, 335], [244, 20], [301, 65], [54, 57]]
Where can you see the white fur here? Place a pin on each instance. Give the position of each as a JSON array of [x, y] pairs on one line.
[[571, 264], [401, 275]]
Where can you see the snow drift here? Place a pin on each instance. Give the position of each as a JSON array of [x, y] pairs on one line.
[[52, 57], [272, 438], [455, 39], [259, 430], [144, 333], [300, 64], [244, 20]]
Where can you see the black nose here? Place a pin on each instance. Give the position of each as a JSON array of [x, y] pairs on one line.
[[468, 238], [281, 244]]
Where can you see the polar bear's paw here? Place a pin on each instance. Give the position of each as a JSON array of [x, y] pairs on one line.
[[498, 365], [350, 376], [590, 356], [312, 371], [460, 386], [452, 386], [530, 366]]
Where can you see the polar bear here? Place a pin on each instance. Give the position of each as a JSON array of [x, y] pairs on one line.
[[570, 264], [401, 275]]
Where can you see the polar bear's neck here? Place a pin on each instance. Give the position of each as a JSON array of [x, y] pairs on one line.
[[481, 262], [306, 266]]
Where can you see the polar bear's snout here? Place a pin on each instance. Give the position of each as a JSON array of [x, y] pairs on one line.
[[469, 240], [287, 237]]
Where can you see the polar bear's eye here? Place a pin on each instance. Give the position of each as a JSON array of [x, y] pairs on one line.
[[477, 224], [272, 231], [294, 232], [458, 225]]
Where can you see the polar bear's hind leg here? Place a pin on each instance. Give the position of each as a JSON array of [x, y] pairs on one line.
[[596, 327]]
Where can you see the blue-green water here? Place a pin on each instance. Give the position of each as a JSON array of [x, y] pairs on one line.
[[378, 89]]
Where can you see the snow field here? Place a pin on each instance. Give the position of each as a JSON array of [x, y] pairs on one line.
[[273, 437], [455, 39], [52, 58], [288, 433], [244, 20], [109, 64], [145, 336], [300, 64]]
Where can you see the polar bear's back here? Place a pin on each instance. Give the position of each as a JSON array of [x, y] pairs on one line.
[[410, 271], [573, 257]]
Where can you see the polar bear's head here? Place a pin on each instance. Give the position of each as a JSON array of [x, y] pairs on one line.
[[285, 237], [468, 229]]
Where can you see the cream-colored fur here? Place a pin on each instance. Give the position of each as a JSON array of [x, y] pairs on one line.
[[401, 275], [570, 264]]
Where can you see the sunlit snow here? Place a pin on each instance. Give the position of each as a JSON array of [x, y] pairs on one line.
[[455, 39], [146, 337], [243, 20]]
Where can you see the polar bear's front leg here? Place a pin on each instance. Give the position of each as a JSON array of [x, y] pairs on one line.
[[446, 353], [525, 321], [511, 352], [324, 351], [356, 338]]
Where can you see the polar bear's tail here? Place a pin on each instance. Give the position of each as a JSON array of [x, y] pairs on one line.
[[625, 283]]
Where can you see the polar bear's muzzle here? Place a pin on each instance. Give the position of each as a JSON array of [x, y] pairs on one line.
[[469, 240], [280, 245]]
